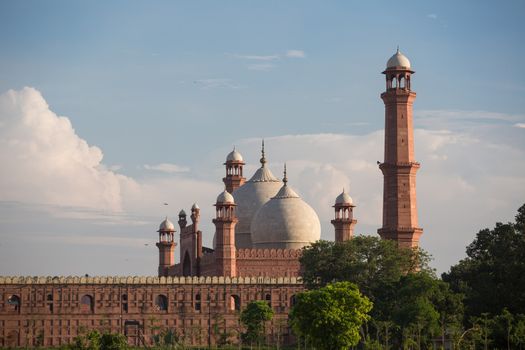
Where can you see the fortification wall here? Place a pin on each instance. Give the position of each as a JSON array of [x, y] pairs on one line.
[[51, 311]]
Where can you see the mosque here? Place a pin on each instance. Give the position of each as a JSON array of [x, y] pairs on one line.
[[261, 225]]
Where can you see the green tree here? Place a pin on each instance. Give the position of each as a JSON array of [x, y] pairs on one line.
[[492, 276], [94, 340], [370, 262], [410, 304], [330, 317], [253, 317]]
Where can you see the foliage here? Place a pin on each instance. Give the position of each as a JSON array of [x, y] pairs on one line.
[[411, 306], [253, 318], [492, 277], [97, 341], [330, 317], [370, 262], [167, 339]]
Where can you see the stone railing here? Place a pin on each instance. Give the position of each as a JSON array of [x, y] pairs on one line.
[[144, 280]]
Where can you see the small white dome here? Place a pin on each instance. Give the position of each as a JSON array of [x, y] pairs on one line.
[[167, 226], [285, 222], [344, 198], [398, 60], [234, 156], [194, 206], [225, 197]]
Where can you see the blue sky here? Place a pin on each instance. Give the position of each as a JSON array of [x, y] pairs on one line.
[[180, 83]]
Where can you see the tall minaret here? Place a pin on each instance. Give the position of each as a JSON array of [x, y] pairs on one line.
[[399, 168], [344, 221], [225, 220], [166, 245], [234, 177]]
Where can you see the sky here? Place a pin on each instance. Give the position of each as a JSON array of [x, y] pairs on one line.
[[108, 109]]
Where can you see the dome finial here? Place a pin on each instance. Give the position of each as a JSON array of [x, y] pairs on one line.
[[397, 49], [263, 158], [285, 178]]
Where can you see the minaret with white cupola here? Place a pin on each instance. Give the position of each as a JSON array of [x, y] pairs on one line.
[[166, 245], [344, 221], [234, 171], [400, 222], [225, 220]]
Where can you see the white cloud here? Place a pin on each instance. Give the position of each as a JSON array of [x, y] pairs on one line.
[[432, 16], [258, 57], [214, 83], [45, 161], [468, 115], [295, 54], [168, 168], [261, 67], [520, 125]]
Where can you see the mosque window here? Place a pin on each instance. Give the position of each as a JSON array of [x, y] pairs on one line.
[[161, 302], [14, 302], [293, 300], [86, 304], [235, 302], [49, 299], [197, 302], [268, 299], [125, 303]]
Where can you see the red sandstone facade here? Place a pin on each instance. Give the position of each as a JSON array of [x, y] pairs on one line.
[[51, 311]]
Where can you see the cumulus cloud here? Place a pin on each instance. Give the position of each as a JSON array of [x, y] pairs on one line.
[[44, 160], [167, 168], [520, 125], [295, 54], [46, 163]]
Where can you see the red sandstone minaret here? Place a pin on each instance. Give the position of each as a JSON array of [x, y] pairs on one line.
[[225, 235], [344, 221], [166, 245], [234, 177], [399, 167]]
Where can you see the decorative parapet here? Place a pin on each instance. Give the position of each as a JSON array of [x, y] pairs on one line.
[[145, 280], [268, 253]]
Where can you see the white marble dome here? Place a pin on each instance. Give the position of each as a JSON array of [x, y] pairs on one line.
[[398, 60], [225, 197], [285, 222], [250, 197], [344, 198], [166, 226], [234, 156]]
